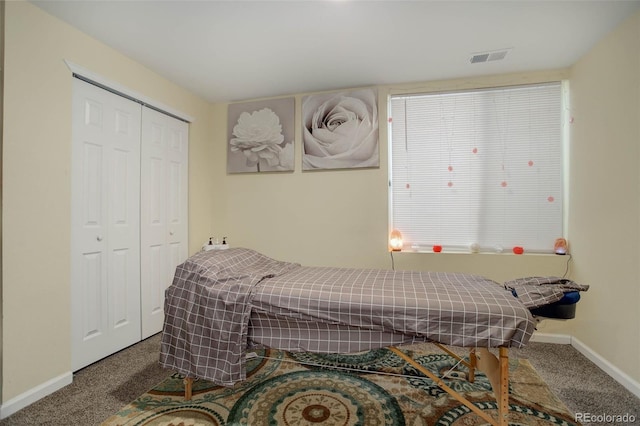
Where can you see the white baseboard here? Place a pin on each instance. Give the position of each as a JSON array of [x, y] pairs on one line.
[[32, 395], [559, 339], [613, 371]]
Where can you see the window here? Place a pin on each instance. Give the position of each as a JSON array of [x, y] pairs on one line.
[[479, 168]]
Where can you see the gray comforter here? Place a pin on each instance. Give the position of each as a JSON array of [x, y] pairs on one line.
[[209, 304]]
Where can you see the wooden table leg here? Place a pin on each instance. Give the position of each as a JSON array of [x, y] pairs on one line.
[[188, 388], [497, 371], [503, 398], [473, 363]]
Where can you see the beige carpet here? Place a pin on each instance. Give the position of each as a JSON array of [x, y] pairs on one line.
[[280, 390]]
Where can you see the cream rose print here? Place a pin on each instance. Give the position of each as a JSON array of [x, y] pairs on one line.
[[258, 136], [340, 130]]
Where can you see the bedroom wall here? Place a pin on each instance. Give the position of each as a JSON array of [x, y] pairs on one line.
[[1, 143], [605, 196], [340, 218], [36, 183]]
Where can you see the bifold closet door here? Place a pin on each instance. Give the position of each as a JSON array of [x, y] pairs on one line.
[[105, 228], [164, 227]]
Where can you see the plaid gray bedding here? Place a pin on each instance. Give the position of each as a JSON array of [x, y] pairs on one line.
[[207, 309], [534, 292], [213, 295]]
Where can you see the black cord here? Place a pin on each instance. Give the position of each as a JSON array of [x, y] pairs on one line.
[[567, 268]]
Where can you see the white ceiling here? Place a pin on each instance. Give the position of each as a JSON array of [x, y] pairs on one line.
[[239, 50]]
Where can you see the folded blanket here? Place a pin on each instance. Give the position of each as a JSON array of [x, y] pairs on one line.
[[534, 292]]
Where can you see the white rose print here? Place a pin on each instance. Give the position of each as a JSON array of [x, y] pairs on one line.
[[340, 130], [258, 135]]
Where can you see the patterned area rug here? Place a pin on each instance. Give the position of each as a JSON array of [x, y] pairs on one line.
[[385, 390]]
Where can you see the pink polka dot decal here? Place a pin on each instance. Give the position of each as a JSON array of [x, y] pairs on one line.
[[551, 199]]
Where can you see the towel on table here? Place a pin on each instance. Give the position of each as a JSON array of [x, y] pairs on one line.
[[534, 292]]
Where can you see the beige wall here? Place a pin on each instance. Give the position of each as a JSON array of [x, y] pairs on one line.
[[605, 196], [340, 218], [36, 187], [1, 133]]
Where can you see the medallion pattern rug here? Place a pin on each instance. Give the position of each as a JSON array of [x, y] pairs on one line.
[[368, 388]]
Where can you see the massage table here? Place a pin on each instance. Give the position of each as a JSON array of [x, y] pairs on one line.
[[224, 302]]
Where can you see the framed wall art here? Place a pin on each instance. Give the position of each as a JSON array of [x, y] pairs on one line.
[[261, 136], [340, 130]]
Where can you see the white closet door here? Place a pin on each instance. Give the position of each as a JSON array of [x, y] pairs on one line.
[[105, 240], [164, 213]]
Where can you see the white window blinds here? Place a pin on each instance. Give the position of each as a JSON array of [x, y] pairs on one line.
[[480, 167]]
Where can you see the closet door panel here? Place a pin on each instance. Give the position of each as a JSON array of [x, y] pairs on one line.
[[105, 245], [153, 231], [118, 265], [164, 211], [124, 220], [92, 207], [178, 192], [157, 263], [93, 293]]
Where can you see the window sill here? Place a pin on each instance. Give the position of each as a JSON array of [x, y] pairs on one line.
[[467, 252]]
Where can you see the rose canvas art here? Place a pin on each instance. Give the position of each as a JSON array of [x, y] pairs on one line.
[[340, 130], [261, 136]]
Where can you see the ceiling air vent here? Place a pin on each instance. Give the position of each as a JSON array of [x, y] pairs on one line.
[[495, 55]]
